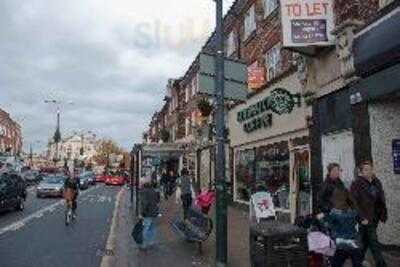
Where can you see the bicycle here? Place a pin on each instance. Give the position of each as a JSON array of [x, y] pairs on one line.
[[69, 203], [69, 213]]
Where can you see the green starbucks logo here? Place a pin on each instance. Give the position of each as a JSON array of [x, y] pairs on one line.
[[281, 101]]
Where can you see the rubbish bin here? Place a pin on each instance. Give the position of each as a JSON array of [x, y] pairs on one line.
[[277, 244]]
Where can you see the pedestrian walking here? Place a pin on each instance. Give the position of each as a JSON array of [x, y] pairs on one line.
[[149, 207], [164, 183], [185, 184], [171, 182], [370, 202], [337, 209]]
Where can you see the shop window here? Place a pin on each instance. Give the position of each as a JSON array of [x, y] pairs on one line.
[[270, 6], [244, 170], [273, 60], [249, 22], [273, 171]]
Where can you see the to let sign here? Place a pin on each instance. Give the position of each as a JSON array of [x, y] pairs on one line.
[[307, 23]]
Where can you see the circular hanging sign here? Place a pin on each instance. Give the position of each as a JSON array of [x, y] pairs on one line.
[[281, 101]]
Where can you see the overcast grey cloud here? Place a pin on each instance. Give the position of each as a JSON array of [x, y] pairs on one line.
[[111, 58]]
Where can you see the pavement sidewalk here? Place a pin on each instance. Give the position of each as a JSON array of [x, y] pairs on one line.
[[173, 251]]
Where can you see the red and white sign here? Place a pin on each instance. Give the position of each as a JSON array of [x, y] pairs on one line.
[[256, 76], [307, 23]]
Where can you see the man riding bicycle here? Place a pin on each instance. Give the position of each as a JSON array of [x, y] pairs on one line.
[[71, 191]]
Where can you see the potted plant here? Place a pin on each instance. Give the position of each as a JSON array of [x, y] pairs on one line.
[[164, 135], [204, 107], [309, 98]]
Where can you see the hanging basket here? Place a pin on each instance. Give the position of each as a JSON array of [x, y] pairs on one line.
[[204, 107]]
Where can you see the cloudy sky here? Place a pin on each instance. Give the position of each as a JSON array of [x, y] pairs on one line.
[[111, 59]]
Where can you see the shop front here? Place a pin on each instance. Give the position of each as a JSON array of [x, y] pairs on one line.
[[362, 121], [270, 144]]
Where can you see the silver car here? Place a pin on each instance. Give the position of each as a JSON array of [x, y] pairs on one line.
[[51, 186]]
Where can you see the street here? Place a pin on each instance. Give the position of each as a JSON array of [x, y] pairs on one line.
[[38, 236]]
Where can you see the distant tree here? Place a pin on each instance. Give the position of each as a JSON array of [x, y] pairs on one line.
[[105, 148]]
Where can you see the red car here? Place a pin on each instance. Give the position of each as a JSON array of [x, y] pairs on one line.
[[115, 180], [101, 178]]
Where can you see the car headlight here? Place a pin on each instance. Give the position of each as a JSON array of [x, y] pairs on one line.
[[39, 188]]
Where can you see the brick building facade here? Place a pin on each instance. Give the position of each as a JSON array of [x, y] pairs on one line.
[[10, 134]]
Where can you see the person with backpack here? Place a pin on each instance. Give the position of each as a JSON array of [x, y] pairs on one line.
[[149, 210]]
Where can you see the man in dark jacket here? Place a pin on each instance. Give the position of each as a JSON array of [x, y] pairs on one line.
[[370, 202], [333, 193], [185, 183], [149, 201]]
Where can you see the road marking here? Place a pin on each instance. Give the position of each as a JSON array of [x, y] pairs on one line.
[[37, 214], [110, 245]]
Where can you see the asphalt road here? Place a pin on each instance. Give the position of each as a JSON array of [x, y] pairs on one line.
[[38, 236]]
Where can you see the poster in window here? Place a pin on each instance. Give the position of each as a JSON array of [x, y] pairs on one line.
[[307, 23], [273, 170]]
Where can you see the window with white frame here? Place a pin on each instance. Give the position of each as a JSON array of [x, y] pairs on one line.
[[187, 126], [249, 22], [273, 61], [270, 6], [230, 44], [383, 3], [193, 85], [187, 93]]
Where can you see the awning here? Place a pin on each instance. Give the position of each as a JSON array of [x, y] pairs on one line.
[[378, 85], [378, 44]]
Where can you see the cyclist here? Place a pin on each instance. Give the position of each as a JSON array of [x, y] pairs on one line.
[[71, 186]]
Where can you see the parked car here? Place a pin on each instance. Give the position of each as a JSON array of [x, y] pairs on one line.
[[31, 177], [83, 182], [101, 178], [115, 180], [51, 186], [12, 192], [90, 176]]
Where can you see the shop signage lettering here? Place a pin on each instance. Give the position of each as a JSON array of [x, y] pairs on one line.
[[264, 121], [281, 101], [307, 22]]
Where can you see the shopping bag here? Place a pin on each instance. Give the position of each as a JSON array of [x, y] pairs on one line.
[[137, 232], [319, 242]]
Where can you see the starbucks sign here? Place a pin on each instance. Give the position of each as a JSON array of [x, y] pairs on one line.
[[259, 115]]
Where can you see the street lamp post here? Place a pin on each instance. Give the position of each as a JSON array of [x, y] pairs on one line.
[[132, 166], [57, 134], [221, 204]]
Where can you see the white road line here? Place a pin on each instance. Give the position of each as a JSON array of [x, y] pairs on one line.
[[110, 245], [37, 214]]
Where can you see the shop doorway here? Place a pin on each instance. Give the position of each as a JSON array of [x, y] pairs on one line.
[[339, 148], [300, 182]]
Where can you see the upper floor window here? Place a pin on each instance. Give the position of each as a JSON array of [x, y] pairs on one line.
[[249, 22], [193, 85], [230, 44], [187, 93], [273, 61], [269, 6]]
